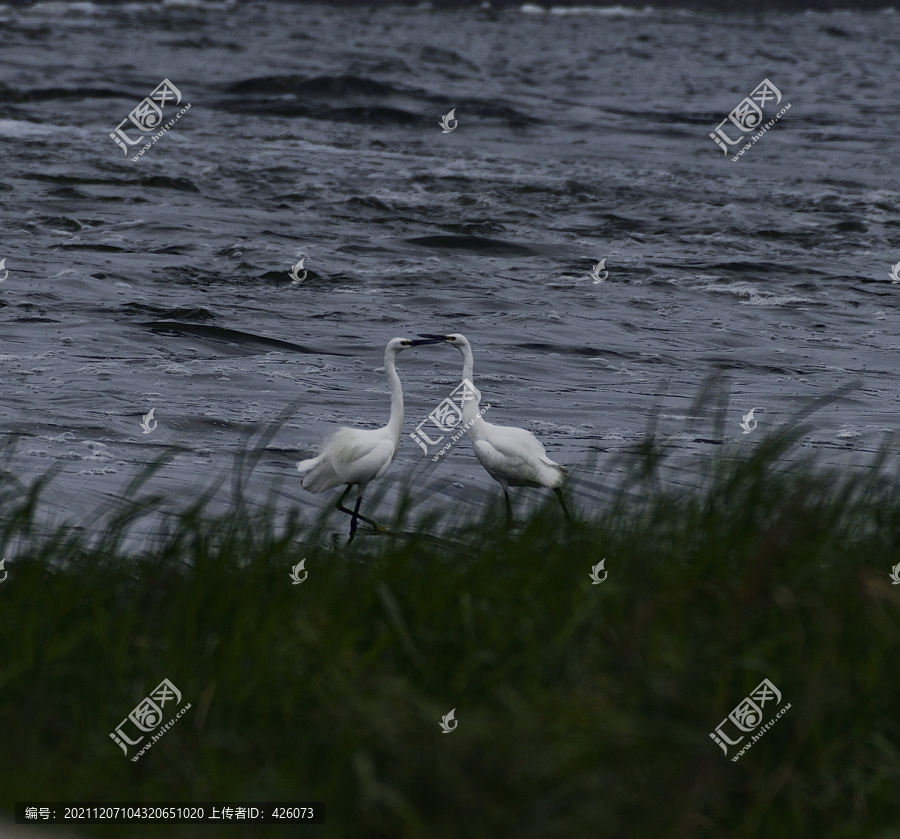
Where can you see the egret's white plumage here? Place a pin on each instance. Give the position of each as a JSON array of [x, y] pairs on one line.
[[511, 456], [354, 456], [514, 457], [350, 456]]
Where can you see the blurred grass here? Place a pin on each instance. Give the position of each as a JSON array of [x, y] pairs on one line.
[[584, 711]]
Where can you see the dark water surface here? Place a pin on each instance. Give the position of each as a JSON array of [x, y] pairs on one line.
[[314, 131]]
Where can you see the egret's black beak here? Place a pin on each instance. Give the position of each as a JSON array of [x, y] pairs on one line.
[[435, 339]]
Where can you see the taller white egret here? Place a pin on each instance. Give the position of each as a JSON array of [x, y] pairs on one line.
[[355, 456], [512, 456]]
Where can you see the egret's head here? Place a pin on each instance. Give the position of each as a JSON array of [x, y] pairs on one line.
[[454, 338], [396, 345]]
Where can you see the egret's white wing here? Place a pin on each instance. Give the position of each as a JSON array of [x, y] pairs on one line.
[[507, 466], [516, 456], [376, 462], [359, 455], [515, 443], [349, 456]]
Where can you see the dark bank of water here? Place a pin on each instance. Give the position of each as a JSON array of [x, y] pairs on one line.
[[314, 132]]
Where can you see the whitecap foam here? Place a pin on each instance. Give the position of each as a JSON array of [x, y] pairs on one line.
[[602, 11], [753, 296], [579, 11], [62, 9], [17, 128]]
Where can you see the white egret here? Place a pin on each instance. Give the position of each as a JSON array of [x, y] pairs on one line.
[[355, 456], [512, 456]]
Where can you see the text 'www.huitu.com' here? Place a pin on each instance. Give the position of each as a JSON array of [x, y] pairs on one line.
[[747, 718]]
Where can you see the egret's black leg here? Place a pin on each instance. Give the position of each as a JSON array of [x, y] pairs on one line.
[[367, 520], [355, 514], [509, 518], [562, 501], [354, 519], [340, 504]]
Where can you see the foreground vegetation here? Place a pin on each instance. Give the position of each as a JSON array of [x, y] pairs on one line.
[[584, 710]]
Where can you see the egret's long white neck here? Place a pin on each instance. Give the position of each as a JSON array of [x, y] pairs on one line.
[[470, 407], [395, 423], [468, 361]]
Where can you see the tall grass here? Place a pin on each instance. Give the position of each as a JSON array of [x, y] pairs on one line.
[[584, 710]]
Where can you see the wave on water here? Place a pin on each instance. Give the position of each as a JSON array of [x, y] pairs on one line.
[[473, 244], [753, 296], [235, 337], [86, 8], [575, 11], [356, 99]]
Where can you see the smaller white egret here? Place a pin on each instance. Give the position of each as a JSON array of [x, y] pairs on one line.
[[355, 456], [512, 456]]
